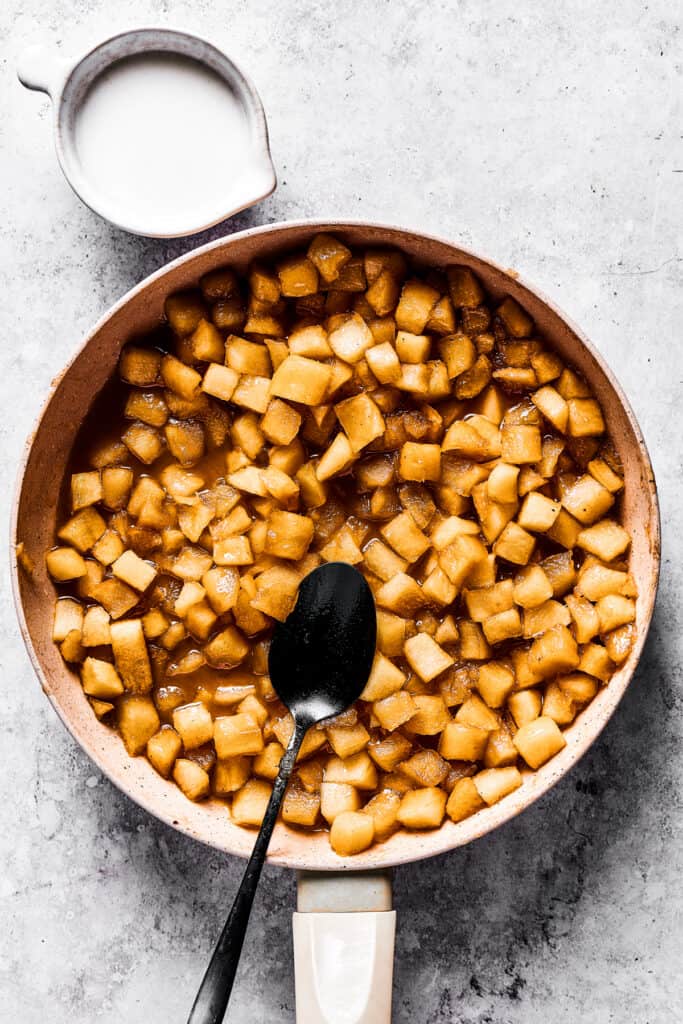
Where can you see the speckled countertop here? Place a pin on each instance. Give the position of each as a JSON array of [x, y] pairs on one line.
[[547, 136]]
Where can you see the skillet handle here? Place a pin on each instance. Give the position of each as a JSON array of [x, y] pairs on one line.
[[344, 948]]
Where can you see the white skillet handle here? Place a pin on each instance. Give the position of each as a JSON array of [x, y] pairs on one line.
[[344, 948], [41, 69]]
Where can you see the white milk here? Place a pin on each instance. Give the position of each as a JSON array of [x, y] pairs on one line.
[[161, 137]]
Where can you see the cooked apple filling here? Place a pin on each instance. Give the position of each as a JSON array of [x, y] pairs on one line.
[[345, 406]]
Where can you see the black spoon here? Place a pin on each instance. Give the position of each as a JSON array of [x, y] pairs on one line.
[[319, 662]]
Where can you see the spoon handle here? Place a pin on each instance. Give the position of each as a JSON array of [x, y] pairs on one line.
[[214, 992]]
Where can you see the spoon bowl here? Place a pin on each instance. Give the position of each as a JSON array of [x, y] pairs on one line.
[[321, 656]]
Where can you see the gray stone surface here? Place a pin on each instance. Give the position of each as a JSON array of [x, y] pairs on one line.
[[548, 136]]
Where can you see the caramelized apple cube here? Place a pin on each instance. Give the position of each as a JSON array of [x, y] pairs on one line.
[[233, 551], [502, 483], [565, 530], [298, 379], [531, 587], [538, 513], [207, 343], [134, 570], [183, 380], [116, 484], [83, 529], [425, 768], [383, 809], [100, 679], [130, 655], [405, 537], [137, 721], [185, 441], [495, 682], [463, 742], [154, 623], [613, 611], [65, 564], [597, 661], [422, 808], [546, 365], [194, 724], [587, 500], [280, 422], [545, 616], [538, 741], [476, 713], [86, 489], [473, 643], [163, 749], [596, 581], [249, 803], [431, 715], [328, 255], [235, 735], [438, 589], [520, 443], [96, 623], [493, 784], [578, 687], [108, 548], [584, 617], [351, 833], [473, 381], [554, 652], [289, 535], [356, 770], [227, 649], [361, 420], [514, 545], [266, 764], [115, 597], [384, 363], [300, 807], [415, 305], [606, 540], [461, 557], [605, 475], [426, 657], [385, 678], [391, 633], [220, 381], [516, 321], [350, 338], [337, 798], [390, 751], [464, 287], [298, 276], [500, 750], [553, 406], [347, 740], [420, 462], [394, 710], [585, 418], [140, 366], [464, 800], [402, 595], [484, 602], [382, 561], [184, 310]]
